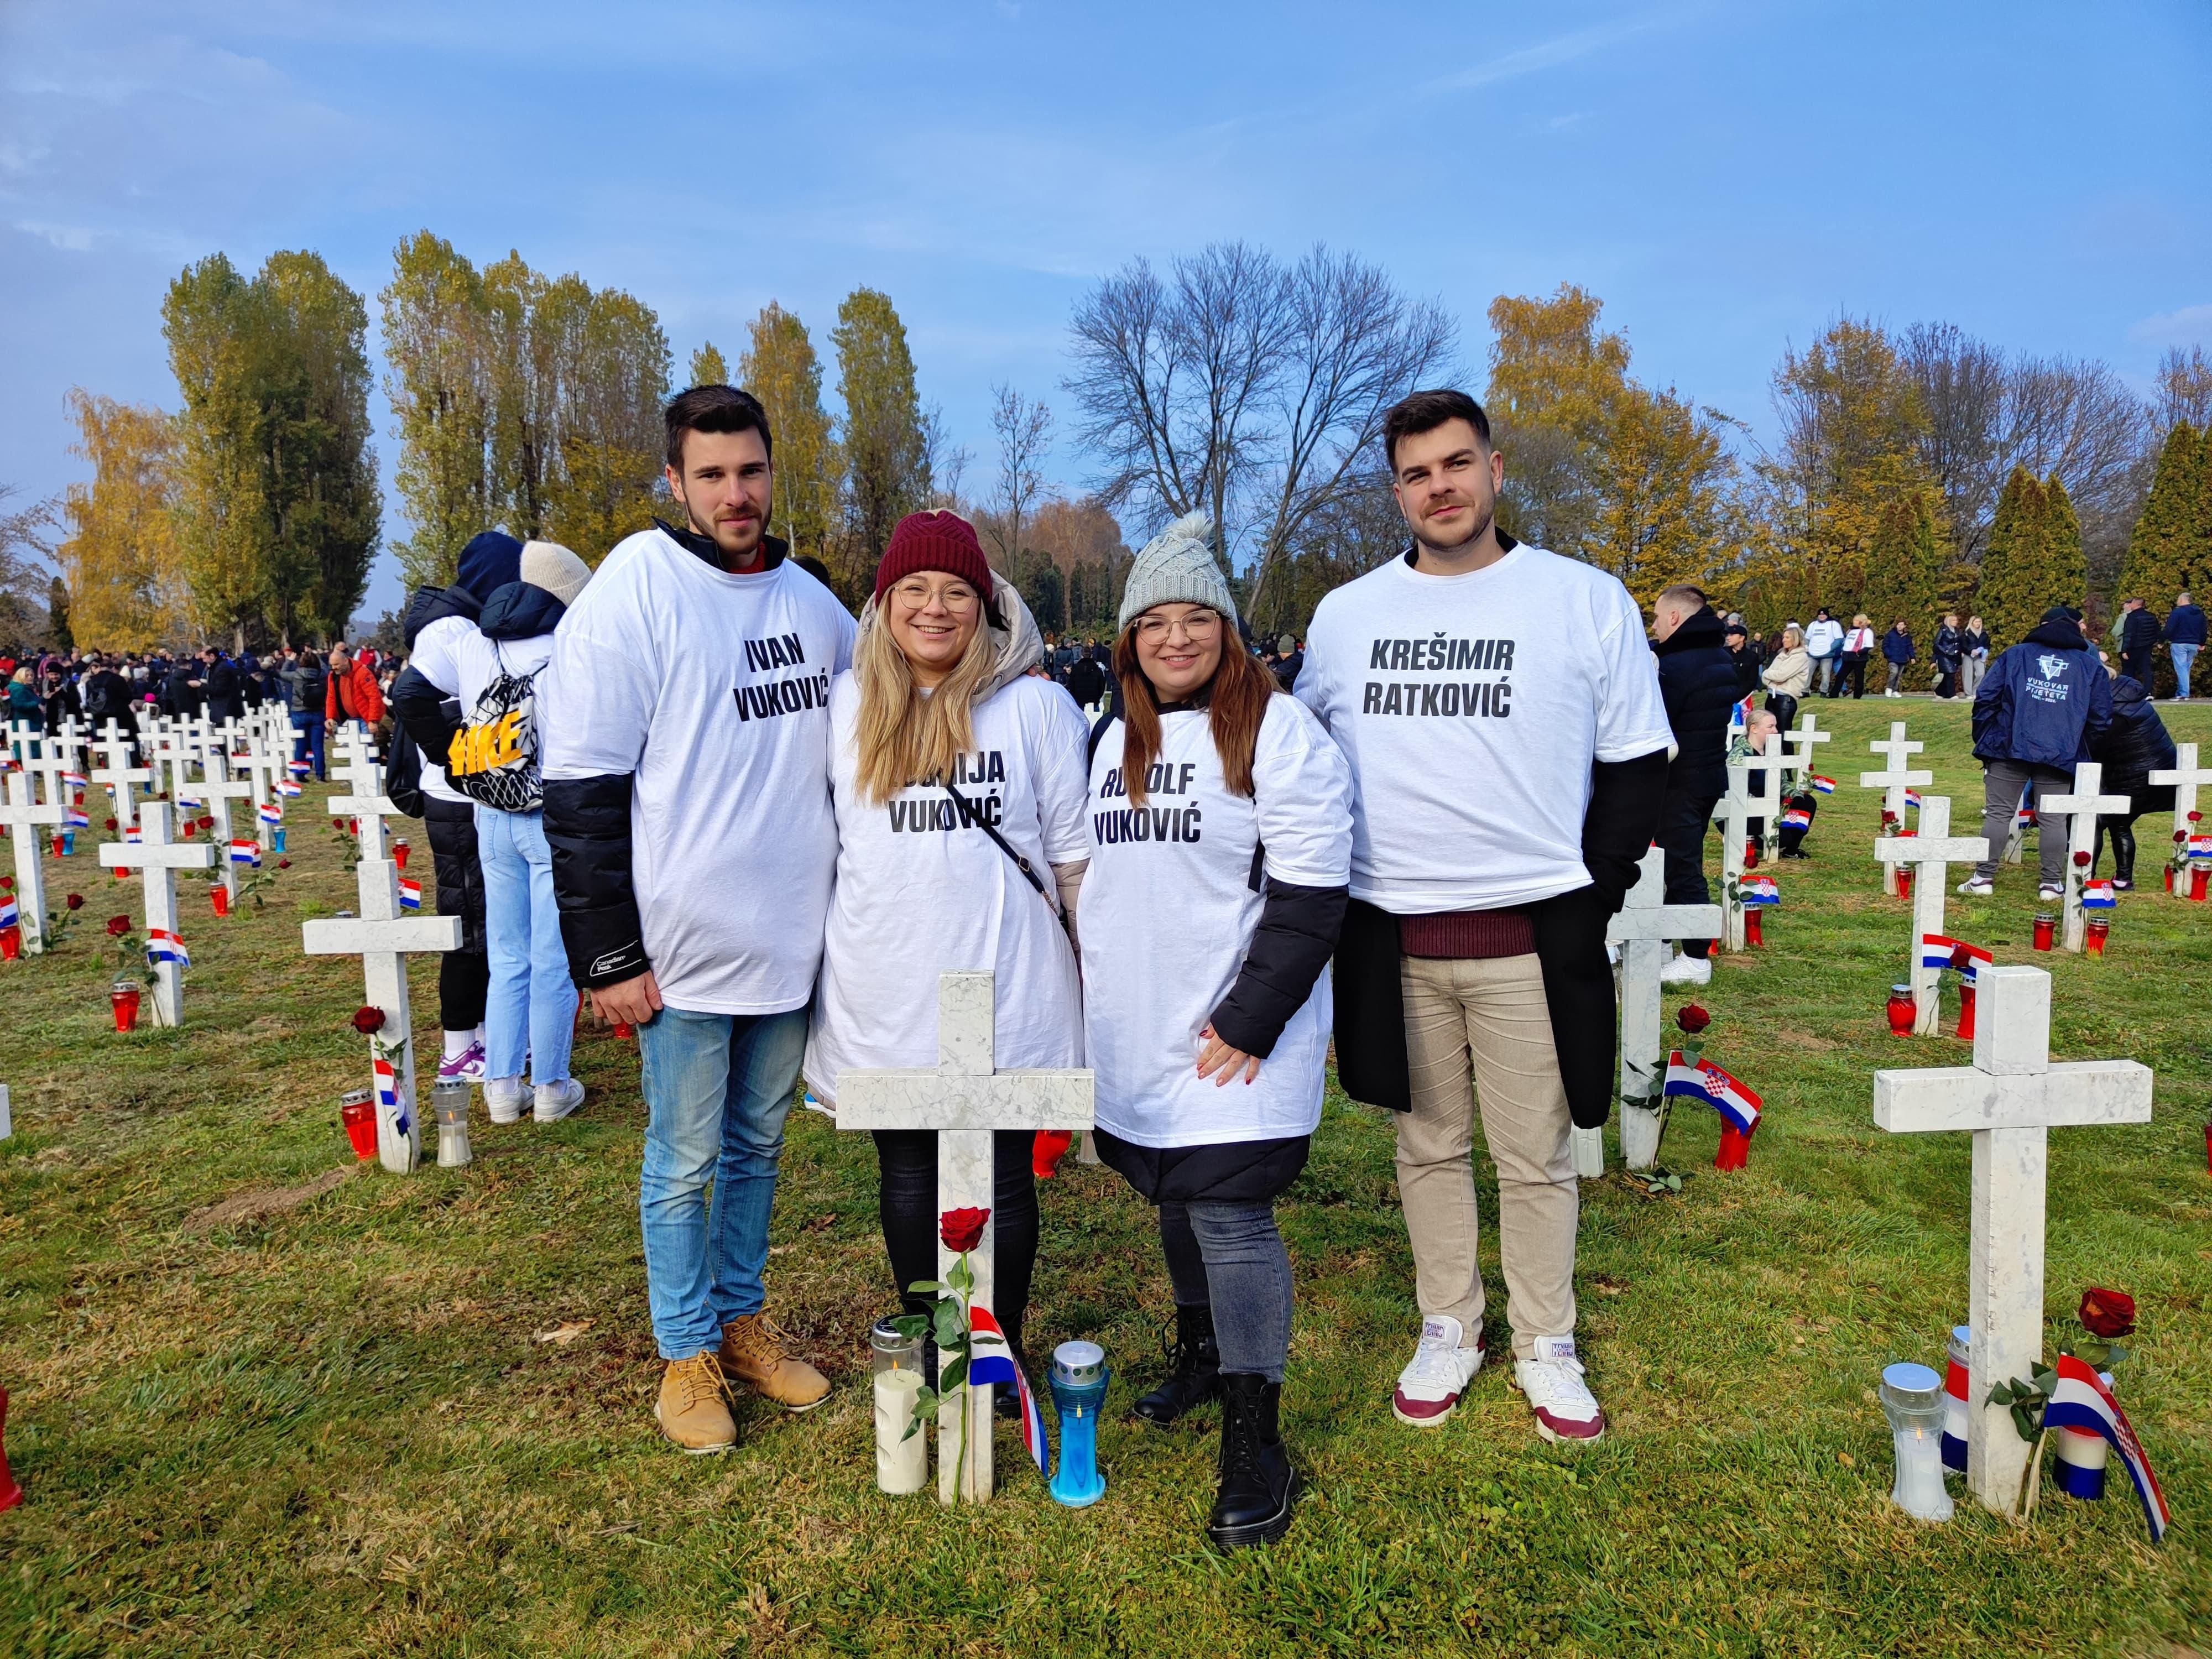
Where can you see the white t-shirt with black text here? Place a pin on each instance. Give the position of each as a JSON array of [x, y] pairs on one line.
[[1471, 708], [1166, 915], [919, 893], [713, 690]]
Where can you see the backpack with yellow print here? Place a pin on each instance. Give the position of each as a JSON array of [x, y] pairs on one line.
[[494, 757]]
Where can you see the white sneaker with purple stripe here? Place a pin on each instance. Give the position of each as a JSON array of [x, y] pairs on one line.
[[468, 1065], [1566, 1411], [1429, 1389]]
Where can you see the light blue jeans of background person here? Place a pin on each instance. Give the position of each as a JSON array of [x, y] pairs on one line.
[[717, 1090], [531, 1007], [2184, 657]]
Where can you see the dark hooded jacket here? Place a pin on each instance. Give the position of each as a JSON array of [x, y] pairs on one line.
[[2045, 701], [2136, 744], [1697, 679]]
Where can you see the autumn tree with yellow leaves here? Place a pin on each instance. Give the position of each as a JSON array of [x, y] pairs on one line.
[[124, 569]]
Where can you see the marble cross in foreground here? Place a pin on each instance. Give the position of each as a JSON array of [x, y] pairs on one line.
[[1932, 853], [25, 818], [965, 1099], [2009, 1098], [160, 859], [1641, 928]]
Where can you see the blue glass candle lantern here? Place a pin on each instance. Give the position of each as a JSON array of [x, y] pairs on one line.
[[1078, 1390], [276, 839]]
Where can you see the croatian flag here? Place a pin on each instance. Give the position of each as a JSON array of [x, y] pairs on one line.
[[246, 852], [1912, 798], [1823, 786], [1760, 890], [270, 813], [287, 789], [162, 946], [133, 836], [75, 781], [2200, 847], [8, 916], [1706, 1081], [1797, 818], [1935, 953], [2097, 895], [2080, 1400], [410, 894], [996, 1363], [298, 769], [387, 1091], [73, 817]]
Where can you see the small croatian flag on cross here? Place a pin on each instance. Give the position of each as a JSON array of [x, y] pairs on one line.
[[1797, 818], [2200, 847], [246, 852], [387, 1090], [1760, 890], [9, 916], [1912, 798], [1936, 952], [2080, 1400], [2097, 895], [132, 837], [410, 894], [269, 812], [162, 946], [1706, 1081], [287, 789], [993, 1362], [2024, 818], [1823, 786], [298, 769], [75, 781], [73, 818]]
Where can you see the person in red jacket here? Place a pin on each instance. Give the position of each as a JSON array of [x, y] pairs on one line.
[[352, 693]]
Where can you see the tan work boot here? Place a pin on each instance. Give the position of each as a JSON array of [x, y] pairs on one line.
[[752, 1354], [691, 1411]]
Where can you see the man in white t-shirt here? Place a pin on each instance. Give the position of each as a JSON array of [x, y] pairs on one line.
[[1508, 747], [686, 744]]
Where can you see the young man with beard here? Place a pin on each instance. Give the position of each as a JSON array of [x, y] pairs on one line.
[[1508, 749], [686, 737]]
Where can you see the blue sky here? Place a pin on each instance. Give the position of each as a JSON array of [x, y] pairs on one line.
[[1726, 176]]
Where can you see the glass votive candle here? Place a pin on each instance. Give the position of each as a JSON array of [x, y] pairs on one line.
[[11, 944], [449, 1104], [399, 851], [2081, 1456], [1752, 932], [2046, 930], [2198, 875], [1966, 1014], [890, 1350], [1903, 1011], [1735, 1150], [1956, 1357], [2094, 932], [357, 1111], [1904, 882], [123, 1000], [1912, 1399], [219, 897], [1079, 1376]]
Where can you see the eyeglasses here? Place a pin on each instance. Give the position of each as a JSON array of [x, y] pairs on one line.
[[1198, 625], [953, 596]]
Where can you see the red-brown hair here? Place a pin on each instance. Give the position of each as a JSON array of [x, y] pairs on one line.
[[1237, 703]]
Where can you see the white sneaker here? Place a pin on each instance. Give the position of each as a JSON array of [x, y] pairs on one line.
[[2050, 893], [1687, 970], [556, 1100], [1566, 1411], [1429, 1388], [505, 1097], [1975, 887]]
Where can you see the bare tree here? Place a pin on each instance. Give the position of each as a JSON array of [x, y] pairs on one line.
[[24, 547], [1024, 428], [1962, 383], [2185, 389], [2075, 418], [944, 463]]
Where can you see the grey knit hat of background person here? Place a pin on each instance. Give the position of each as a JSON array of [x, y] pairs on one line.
[[1177, 567], [552, 566]]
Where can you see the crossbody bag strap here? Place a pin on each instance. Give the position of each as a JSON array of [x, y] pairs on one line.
[[969, 814]]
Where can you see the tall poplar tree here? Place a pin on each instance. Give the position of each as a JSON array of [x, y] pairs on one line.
[[125, 570], [436, 341], [708, 368], [886, 447], [2169, 549], [781, 368], [219, 331]]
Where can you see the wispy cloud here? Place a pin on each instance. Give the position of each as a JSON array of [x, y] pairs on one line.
[[1550, 54], [2184, 327], [71, 239]]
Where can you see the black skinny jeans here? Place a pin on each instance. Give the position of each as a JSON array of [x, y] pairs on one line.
[[1684, 818], [907, 1200], [1855, 664]]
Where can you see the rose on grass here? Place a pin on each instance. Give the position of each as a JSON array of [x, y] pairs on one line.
[[111, 823], [368, 1021], [74, 901], [117, 927], [1691, 1018], [962, 1229], [2106, 1313], [283, 864]]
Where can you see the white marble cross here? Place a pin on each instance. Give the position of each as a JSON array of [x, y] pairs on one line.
[[160, 859], [26, 817], [1641, 928], [1735, 831], [366, 803], [263, 764], [383, 936], [2187, 777], [119, 774], [2009, 1098], [1801, 737], [2082, 809], [1774, 761], [1893, 780], [1931, 853], [215, 790], [965, 1099]]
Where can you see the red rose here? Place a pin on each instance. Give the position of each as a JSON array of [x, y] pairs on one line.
[[368, 1021], [7, 883], [2180, 836], [2197, 818], [2108, 1314], [1961, 957], [2082, 861], [961, 1230], [283, 864], [117, 927], [206, 821], [1691, 1018], [110, 823], [74, 901]]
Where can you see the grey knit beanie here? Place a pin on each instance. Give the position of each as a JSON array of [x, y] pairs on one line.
[[1177, 567]]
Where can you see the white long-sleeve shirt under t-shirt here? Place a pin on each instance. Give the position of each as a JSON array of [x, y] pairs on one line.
[[437, 640], [1471, 708], [713, 692], [919, 893], [1168, 914]]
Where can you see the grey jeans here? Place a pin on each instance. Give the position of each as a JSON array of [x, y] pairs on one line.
[[1231, 1255], [2004, 783]]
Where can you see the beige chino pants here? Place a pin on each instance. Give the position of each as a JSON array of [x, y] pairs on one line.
[[1487, 1020]]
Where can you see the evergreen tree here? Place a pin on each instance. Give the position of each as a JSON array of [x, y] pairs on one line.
[[1908, 566], [2009, 596], [886, 447], [707, 368], [2170, 548], [58, 617]]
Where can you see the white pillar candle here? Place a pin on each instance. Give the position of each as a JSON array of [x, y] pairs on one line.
[[901, 1458]]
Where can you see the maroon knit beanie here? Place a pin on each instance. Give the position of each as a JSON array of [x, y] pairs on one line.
[[937, 540]]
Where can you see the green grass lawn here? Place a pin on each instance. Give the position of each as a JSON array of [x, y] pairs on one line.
[[335, 1428]]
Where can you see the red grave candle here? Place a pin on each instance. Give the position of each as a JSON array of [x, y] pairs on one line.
[[2046, 925], [1735, 1150], [2094, 932], [122, 999], [1966, 1014], [219, 896], [1751, 928], [1903, 1011]]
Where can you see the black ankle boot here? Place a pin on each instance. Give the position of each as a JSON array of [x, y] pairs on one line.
[[1257, 1481], [1197, 1376]]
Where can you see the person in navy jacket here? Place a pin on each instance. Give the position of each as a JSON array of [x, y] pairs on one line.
[[2043, 708]]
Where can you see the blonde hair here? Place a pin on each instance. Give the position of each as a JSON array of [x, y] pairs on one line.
[[1792, 632], [902, 737], [1860, 621]]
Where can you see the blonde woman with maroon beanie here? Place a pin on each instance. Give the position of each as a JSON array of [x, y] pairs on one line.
[[956, 777]]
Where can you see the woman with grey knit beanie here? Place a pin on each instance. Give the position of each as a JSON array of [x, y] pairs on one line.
[[1220, 827]]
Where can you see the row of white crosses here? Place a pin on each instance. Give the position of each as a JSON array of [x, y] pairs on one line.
[[2009, 1099], [1641, 928], [1736, 811], [1897, 777], [1932, 853]]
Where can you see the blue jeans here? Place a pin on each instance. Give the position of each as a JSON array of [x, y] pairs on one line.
[[307, 738], [717, 1090], [2184, 658], [530, 1006]]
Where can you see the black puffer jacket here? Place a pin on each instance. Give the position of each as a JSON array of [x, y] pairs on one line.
[[2136, 744], [1698, 679]]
